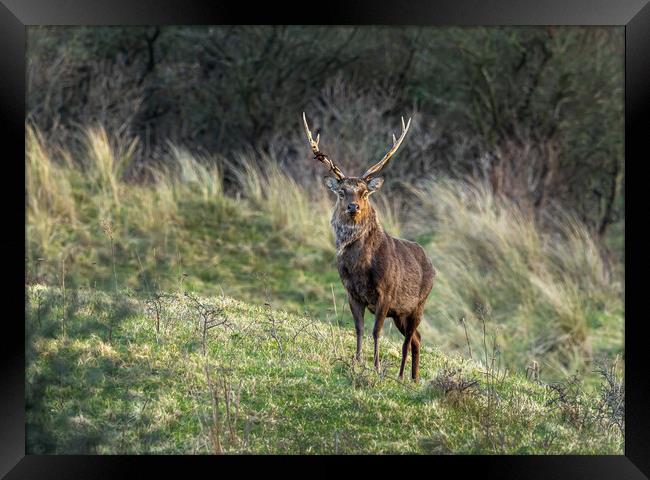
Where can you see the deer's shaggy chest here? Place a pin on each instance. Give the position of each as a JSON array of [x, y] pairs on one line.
[[360, 282], [356, 262]]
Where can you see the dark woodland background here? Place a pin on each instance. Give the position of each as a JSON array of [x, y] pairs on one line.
[[536, 111]]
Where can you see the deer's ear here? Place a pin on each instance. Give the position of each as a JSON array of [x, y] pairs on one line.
[[331, 183], [375, 184]]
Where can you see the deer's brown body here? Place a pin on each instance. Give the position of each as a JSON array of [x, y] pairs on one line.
[[389, 276]]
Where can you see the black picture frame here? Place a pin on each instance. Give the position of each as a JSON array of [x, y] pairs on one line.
[[15, 15]]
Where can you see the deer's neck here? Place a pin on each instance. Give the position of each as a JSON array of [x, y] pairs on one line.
[[348, 232]]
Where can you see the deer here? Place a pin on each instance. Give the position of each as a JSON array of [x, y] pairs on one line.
[[389, 276]]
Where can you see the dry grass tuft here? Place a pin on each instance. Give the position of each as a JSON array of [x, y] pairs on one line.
[[105, 163], [288, 205], [49, 193], [542, 287], [451, 381]]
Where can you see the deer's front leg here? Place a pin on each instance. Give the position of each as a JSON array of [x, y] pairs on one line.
[[358, 310], [380, 316]]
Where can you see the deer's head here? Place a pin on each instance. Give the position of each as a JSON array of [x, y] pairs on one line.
[[353, 192]]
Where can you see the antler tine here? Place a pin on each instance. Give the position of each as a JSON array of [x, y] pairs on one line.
[[312, 144], [396, 144], [318, 155]]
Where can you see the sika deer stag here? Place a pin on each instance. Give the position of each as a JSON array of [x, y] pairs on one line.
[[389, 276]]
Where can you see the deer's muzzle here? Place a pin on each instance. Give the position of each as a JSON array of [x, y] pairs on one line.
[[353, 208]]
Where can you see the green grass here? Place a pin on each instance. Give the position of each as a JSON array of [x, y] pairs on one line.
[[547, 298], [553, 297], [101, 379]]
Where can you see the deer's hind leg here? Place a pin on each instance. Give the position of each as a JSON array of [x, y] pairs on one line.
[[411, 341], [405, 351], [408, 330], [415, 355], [399, 323], [414, 323]]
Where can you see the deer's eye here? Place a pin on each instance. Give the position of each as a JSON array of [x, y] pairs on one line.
[[341, 195]]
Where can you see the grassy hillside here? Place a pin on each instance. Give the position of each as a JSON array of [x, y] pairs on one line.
[[179, 373], [551, 295], [521, 331]]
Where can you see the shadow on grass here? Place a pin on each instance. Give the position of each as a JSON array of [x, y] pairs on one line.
[[93, 406]]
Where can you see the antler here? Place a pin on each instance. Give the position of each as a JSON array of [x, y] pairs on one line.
[[318, 155], [396, 143]]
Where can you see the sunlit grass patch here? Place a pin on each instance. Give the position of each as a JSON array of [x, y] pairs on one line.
[[261, 380]]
